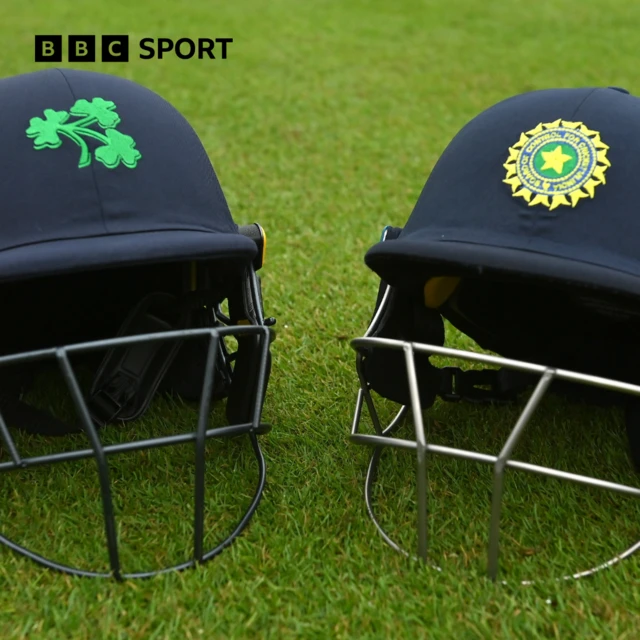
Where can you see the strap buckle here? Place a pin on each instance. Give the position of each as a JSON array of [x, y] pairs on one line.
[[130, 374], [457, 385], [107, 402]]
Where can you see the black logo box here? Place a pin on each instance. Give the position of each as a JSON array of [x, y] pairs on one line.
[[82, 48]]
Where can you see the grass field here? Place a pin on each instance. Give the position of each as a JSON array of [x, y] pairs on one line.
[[323, 124]]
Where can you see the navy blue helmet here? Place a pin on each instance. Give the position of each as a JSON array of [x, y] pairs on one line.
[[118, 251], [526, 239]]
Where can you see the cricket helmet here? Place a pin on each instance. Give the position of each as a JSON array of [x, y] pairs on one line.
[[525, 238], [119, 258]]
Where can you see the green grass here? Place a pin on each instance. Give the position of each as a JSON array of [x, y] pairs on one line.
[[323, 125]]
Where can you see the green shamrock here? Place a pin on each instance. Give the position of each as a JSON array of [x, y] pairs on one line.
[[116, 146], [101, 110], [119, 148], [45, 131]]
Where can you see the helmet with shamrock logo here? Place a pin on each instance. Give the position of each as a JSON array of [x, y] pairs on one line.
[[120, 261]]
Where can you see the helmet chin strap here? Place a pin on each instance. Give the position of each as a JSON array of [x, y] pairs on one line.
[[129, 375]]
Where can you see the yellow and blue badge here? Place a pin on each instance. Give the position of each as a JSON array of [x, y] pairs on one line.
[[557, 163]]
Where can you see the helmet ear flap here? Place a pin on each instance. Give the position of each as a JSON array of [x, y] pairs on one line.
[[244, 387], [399, 316], [245, 308]]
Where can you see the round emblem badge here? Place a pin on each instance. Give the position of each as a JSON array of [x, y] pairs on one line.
[[556, 163]]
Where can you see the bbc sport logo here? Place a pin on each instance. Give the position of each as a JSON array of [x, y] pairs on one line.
[[116, 48]]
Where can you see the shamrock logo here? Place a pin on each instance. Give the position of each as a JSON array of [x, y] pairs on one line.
[[101, 110], [116, 147], [119, 148], [45, 131]]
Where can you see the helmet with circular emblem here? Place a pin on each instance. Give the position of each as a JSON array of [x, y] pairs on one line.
[[130, 306], [525, 240]]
